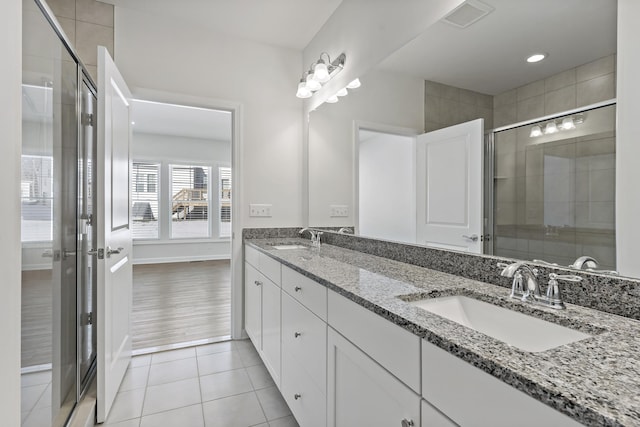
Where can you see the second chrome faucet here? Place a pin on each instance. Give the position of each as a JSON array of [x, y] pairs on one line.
[[525, 284]]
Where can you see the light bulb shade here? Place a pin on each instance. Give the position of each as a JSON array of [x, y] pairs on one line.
[[550, 128], [342, 92], [567, 123], [312, 84], [303, 92], [354, 84], [320, 72], [535, 131], [332, 99]]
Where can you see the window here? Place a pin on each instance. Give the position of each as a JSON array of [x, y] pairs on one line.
[[144, 199], [224, 175], [37, 198], [189, 201]]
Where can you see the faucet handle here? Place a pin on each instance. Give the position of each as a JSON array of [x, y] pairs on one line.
[[554, 293], [565, 277]]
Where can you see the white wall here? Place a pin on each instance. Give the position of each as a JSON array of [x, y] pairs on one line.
[[627, 146], [10, 123], [166, 149], [159, 53], [367, 32], [387, 180], [384, 98]]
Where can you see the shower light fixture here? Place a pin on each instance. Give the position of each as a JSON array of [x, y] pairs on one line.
[[320, 72], [557, 125]]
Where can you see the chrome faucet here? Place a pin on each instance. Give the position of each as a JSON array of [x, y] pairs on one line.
[[529, 290], [315, 236], [580, 263]]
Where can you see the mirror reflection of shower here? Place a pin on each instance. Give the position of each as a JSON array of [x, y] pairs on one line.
[[554, 188]]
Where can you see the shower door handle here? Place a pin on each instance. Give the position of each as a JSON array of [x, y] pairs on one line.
[[473, 237]]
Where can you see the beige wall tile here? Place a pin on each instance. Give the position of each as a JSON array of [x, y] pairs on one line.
[[468, 112], [69, 28], [487, 115], [560, 80], [505, 115], [529, 91], [595, 90], [93, 72], [595, 147], [432, 109], [531, 108], [505, 142], [94, 12], [469, 97], [596, 68], [560, 100], [63, 8], [449, 112], [431, 126], [88, 37], [506, 190], [450, 92], [505, 98], [433, 88], [485, 101], [505, 165]]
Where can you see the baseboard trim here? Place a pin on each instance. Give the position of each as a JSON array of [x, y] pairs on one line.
[[165, 260]]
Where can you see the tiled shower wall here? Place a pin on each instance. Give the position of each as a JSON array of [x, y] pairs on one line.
[[87, 24], [448, 105], [577, 87]]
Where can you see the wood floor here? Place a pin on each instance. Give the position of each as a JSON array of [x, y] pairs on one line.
[[179, 302], [172, 303], [37, 312]]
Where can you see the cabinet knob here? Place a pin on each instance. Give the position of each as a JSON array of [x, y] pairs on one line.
[[407, 423], [297, 396], [297, 334], [297, 289], [258, 283]]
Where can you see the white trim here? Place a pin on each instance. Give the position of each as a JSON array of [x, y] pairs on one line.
[[237, 297], [164, 260], [149, 242], [34, 267]]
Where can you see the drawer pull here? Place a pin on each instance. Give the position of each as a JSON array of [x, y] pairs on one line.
[[258, 283], [297, 396], [297, 334], [297, 289], [407, 423]]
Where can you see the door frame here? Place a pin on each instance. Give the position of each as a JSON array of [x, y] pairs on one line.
[[236, 110], [359, 125]]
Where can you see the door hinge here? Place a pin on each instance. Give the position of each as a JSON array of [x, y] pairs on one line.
[[87, 119], [87, 319], [98, 252]]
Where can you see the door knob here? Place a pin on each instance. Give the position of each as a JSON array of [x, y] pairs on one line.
[[473, 237], [113, 251], [407, 423], [257, 282]]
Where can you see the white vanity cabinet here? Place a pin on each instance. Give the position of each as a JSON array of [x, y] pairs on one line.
[[363, 393], [304, 348], [469, 396], [262, 308]]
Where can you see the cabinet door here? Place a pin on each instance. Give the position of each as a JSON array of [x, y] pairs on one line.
[[271, 328], [253, 305], [362, 393]]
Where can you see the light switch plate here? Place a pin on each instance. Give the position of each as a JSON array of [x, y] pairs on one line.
[[339, 211], [259, 210]]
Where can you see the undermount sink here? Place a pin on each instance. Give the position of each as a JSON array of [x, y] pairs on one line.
[[511, 327], [289, 247]]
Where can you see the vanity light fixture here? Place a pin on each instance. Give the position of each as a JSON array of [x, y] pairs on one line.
[[536, 57], [320, 72], [332, 99], [535, 131], [557, 125], [355, 84], [342, 92]]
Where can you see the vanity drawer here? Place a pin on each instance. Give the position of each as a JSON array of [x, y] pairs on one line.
[[393, 347], [309, 293], [304, 336], [306, 401], [263, 263], [470, 396]]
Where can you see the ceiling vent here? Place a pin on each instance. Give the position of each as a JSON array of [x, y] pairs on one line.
[[467, 13]]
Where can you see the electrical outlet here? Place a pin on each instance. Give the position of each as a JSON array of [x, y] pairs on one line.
[[339, 211], [259, 210]]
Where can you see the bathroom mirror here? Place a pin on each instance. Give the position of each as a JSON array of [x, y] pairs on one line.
[[453, 74]]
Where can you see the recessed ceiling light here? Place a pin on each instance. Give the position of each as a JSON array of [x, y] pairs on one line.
[[536, 57]]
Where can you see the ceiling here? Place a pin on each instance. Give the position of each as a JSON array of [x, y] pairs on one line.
[[285, 23], [489, 55], [178, 120]]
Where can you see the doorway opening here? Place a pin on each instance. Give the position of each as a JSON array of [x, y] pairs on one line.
[[181, 192]]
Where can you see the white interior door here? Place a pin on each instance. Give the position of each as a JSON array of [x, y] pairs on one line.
[[449, 185], [114, 235]]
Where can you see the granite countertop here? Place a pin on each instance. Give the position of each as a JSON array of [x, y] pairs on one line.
[[595, 381]]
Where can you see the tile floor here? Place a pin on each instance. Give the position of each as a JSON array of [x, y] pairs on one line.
[[216, 385], [35, 403]]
